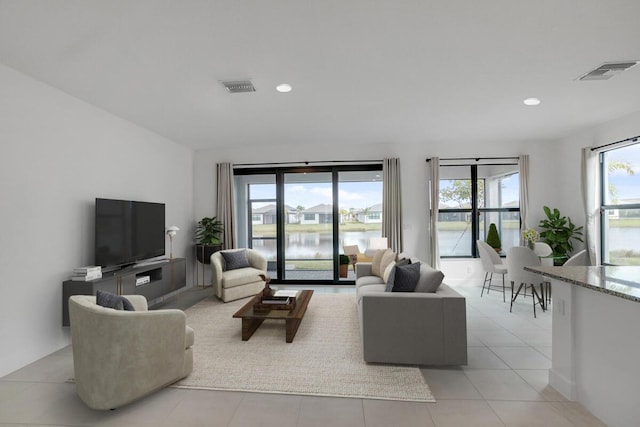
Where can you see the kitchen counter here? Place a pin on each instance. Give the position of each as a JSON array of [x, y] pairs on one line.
[[619, 281], [596, 338]]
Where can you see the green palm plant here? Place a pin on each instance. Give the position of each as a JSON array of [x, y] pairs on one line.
[[208, 231], [558, 232]]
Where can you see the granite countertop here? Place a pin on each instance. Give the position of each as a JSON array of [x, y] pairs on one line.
[[620, 281]]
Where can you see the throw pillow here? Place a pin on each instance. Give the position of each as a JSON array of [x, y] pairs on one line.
[[387, 271], [390, 279], [235, 259], [406, 277], [430, 279], [375, 262], [117, 302], [403, 261], [387, 258]]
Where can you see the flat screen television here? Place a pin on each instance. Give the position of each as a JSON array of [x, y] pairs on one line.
[[128, 231]]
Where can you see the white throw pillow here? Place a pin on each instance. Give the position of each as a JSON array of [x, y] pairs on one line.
[[387, 258], [375, 263]]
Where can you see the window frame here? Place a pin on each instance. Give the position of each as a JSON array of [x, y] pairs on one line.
[[606, 207], [474, 211]]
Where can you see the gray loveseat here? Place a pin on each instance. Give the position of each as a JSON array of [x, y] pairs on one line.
[[416, 328]]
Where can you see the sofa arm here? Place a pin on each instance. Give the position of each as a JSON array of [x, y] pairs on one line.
[[216, 273], [363, 269], [413, 328]]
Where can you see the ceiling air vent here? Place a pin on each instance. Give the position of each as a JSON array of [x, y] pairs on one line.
[[608, 70], [239, 86]]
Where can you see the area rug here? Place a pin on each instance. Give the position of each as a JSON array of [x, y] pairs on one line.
[[324, 359]]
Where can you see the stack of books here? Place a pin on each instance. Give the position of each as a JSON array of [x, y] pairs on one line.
[[85, 274]]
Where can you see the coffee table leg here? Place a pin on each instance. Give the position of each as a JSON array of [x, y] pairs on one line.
[[292, 327], [249, 326]]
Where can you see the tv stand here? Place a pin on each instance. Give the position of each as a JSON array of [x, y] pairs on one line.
[[164, 276]]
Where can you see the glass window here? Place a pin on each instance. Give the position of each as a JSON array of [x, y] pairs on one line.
[[621, 206], [494, 198]]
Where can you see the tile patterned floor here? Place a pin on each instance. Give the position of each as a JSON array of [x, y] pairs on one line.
[[504, 384]]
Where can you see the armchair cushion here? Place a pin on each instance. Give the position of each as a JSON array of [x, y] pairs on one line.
[[234, 260], [117, 302]]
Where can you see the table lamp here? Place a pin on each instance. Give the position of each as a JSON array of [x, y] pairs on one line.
[[171, 231]]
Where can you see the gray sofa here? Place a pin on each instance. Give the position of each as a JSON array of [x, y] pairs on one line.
[[416, 328]]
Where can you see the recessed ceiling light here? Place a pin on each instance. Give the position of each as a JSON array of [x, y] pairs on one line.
[[284, 88], [531, 101]]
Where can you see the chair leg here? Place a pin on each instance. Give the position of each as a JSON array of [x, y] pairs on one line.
[[503, 290], [487, 278], [513, 297]]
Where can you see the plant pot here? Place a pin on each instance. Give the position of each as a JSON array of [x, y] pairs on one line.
[[344, 270], [204, 252]]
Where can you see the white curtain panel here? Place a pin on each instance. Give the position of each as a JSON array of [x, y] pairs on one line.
[[523, 167], [225, 206], [392, 203], [434, 202], [590, 190]]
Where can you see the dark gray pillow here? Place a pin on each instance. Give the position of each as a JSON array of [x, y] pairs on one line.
[[406, 277], [235, 259], [403, 261], [430, 279], [109, 300]]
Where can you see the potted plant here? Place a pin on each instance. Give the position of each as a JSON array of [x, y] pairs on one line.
[[558, 232], [344, 265], [493, 238], [208, 238]]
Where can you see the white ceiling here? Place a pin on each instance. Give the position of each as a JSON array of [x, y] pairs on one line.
[[363, 71]]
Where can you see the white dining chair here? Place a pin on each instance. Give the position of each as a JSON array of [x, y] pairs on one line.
[[544, 252], [519, 257], [579, 258], [491, 263]]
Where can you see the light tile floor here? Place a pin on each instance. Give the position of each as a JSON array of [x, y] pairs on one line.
[[504, 384]]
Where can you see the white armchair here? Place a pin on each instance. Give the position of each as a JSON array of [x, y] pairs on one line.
[[121, 356], [233, 284]]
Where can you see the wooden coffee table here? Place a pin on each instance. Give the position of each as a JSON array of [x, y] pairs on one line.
[[252, 320]]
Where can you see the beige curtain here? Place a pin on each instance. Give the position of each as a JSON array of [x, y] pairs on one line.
[[225, 206], [392, 204], [523, 167], [590, 190], [434, 202]]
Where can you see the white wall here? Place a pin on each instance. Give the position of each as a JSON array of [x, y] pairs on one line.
[[57, 154], [413, 166]]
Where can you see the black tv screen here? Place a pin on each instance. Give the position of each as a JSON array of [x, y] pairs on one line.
[[128, 231]]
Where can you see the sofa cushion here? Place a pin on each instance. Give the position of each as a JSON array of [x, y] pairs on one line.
[[368, 280], [117, 302], [235, 259], [375, 263], [368, 290], [405, 277], [430, 279]]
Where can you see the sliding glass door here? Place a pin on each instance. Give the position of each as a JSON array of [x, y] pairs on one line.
[[301, 218], [308, 226]]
